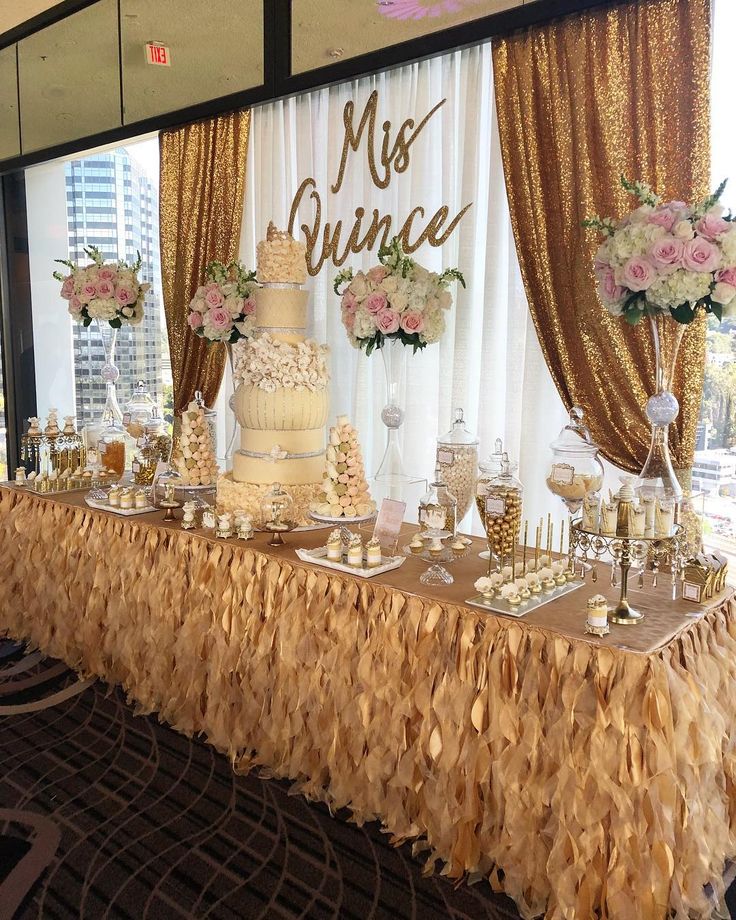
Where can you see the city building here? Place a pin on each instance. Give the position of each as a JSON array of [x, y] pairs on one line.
[[113, 205], [714, 472], [702, 434]]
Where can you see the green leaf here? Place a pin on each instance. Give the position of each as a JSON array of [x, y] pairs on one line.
[[116, 323], [633, 317], [684, 313], [717, 310]]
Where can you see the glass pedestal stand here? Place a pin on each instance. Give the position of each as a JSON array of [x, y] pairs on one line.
[[391, 470], [647, 552]]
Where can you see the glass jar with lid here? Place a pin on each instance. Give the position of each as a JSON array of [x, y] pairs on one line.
[[153, 448], [165, 486], [112, 447], [499, 501], [457, 458], [138, 411], [576, 469], [438, 506], [277, 510]]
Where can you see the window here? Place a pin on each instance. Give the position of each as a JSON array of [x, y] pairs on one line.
[[714, 469], [74, 204]]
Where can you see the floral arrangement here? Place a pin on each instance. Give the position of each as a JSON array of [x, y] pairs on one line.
[[667, 256], [223, 309], [106, 291], [396, 299], [269, 363]]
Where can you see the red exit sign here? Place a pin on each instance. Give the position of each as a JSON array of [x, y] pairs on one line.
[[157, 53]]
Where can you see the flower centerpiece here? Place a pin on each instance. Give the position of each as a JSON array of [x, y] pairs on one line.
[[106, 291], [402, 303], [110, 294], [666, 260], [223, 308], [667, 257], [397, 299]]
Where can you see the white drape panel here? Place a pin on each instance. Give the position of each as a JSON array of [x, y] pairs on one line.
[[489, 361]]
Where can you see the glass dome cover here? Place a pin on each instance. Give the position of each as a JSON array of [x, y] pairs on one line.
[[576, 468], [139, 409], [459, 433]]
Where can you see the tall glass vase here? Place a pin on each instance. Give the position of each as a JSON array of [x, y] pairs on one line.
[[228, 458], [658, 477], [109, 372], [391, 471]]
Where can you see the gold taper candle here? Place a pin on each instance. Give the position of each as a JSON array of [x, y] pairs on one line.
[[549, 535], [536, 546], [562, 538], [526, 536]]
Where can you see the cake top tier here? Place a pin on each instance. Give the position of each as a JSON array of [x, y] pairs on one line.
[[280, 258]]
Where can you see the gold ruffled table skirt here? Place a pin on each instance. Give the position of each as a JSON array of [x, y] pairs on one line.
[[579, 777]]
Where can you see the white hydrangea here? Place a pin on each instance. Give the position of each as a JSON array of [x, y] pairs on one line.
[[679, 287]]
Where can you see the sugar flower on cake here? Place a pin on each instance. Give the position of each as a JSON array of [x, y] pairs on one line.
[[109, 292], [223, 308], [667, 257], [270, 363], [397, 299]]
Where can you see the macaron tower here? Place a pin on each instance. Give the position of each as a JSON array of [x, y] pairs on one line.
[[345, 489]]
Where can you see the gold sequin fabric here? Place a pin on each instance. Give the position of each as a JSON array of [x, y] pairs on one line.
[[581, 101], [201, 207]]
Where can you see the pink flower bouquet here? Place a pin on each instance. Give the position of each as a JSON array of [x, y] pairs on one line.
[[396, 299], [106, 291], [667, 257], [223, 309]]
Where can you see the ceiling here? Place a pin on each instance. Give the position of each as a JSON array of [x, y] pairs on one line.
[[14, 12]]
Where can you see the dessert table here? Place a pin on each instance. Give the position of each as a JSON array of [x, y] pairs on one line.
[[581, 775]]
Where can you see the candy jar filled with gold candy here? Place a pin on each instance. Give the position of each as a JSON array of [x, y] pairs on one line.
[[139, 410], [499, 502], [576, 469], [153, 448], [438, 507], [112, 447], [457, 458]]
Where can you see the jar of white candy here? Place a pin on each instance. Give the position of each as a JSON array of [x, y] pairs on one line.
[[457, 458]]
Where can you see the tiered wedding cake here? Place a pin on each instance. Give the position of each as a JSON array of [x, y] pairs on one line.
[[281, 397]]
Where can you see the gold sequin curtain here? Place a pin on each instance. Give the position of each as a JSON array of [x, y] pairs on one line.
[[201, 208], [582, 100]]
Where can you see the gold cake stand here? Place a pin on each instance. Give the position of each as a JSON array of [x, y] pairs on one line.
[[649, 552]]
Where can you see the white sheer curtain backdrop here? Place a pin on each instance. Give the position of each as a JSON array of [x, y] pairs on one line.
[[489, 361]]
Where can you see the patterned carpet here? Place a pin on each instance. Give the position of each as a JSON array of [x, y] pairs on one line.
[[104, 814]]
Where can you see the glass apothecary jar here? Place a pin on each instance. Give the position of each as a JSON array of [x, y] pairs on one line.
[[153, 448], [165, 485], [576, 469], [139, 410], [499, 500], [438, 506], [457, 459], [113, 445]]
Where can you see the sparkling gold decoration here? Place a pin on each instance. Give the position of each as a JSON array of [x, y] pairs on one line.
[[581, 100], [201, 209]]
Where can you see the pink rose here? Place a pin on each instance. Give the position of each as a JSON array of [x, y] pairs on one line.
[[608, 290], [375, 302], [249, 306], [412, 321], [387, 322], [664, 217], [727, 276], [666, 254], [700, 255], [220, 318], [195, 320], [75, 304], [88, 292], [711, 226], [124, 295], [348, 320], [349, 303], [105, 289], [723, 293], [107, 274], [638, 274], [377, 274], [67, 288], [214, 298]]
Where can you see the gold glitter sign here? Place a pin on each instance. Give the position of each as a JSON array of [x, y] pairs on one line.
[[387, 155]]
